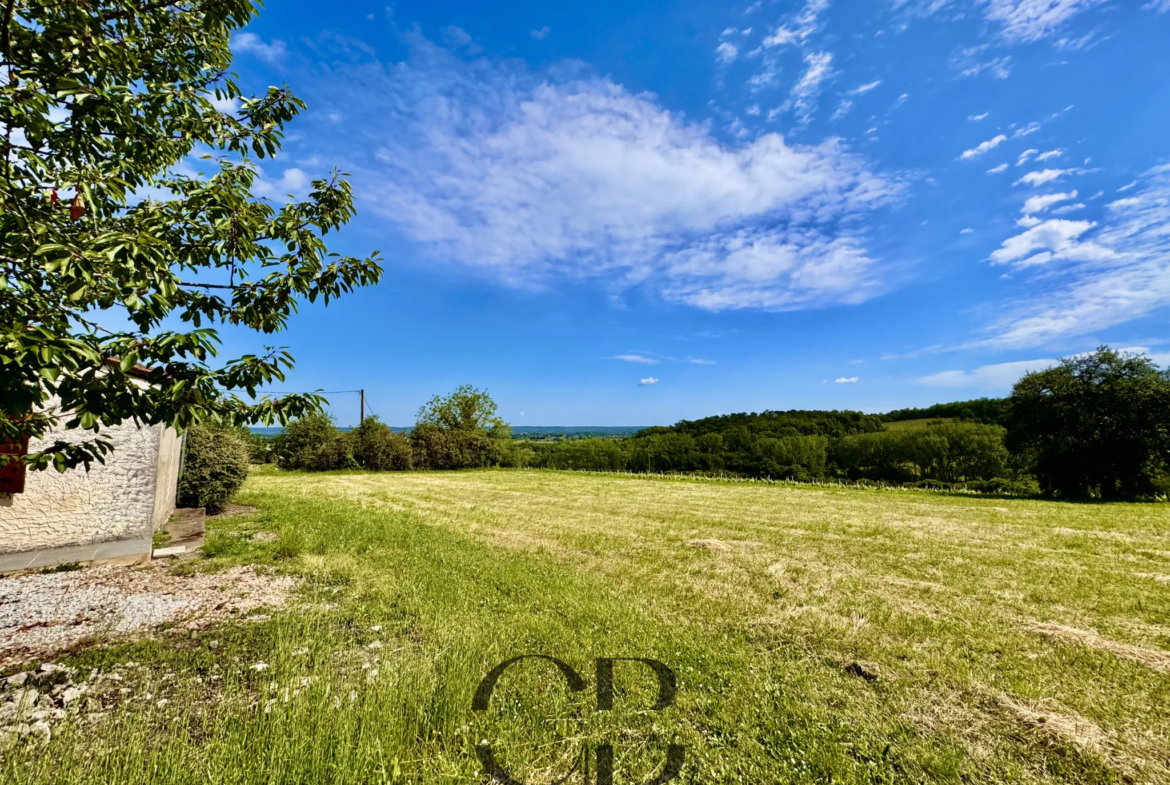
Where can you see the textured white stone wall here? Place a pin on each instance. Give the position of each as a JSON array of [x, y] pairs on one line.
[[166, 484], [113, 501]]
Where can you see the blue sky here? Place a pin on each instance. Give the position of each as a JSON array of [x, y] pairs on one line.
[[631, 213]]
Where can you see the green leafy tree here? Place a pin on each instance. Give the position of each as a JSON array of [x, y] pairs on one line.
[[100, 100], [459, 431], [1097, 424]]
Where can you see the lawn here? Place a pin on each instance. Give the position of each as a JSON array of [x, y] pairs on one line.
[[817, 635]]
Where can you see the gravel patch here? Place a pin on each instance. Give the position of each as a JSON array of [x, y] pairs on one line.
[[41, 615]]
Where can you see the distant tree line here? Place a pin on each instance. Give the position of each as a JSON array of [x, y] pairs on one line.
[[1096, 425], [458, 431]]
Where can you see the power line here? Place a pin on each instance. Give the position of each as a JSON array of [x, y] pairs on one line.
[[307, 392]]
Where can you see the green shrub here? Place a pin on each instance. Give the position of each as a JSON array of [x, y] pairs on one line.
[[303, 443], [260, 447], [378, 448], [215, 465]]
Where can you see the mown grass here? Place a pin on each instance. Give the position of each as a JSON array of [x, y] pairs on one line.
[[417, 584]]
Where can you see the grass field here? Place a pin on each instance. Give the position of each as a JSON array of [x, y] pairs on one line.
[[818, 635]]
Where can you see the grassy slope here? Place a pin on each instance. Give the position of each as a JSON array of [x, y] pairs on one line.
[[464, 570]]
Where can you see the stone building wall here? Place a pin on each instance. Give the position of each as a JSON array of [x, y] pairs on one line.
[[125, 498]]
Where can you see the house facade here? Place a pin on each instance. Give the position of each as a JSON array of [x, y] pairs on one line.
[[124, 499]]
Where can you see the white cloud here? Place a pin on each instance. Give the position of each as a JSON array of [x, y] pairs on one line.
[[224, 105], [535, 177], [455, 37], [842, 109], [700, 361], [1039, 178], [1121, 273], [1024, 21], [804, 92], [1051, 240], [292, 181], [1069, 208], [1000, 376], [984, 147], [865, 88], [1124, 188], [1161, 6], [726, 52], [999, 67], [635, 358], [1025, 157], [845, 380], [997, 169], [1050, 154], [649, 380], [1038, 204], [250, 43], [1027, 130], [968, 230], [540, 34], [977, 117]]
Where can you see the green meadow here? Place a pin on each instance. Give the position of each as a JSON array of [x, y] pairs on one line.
[[818, 634]]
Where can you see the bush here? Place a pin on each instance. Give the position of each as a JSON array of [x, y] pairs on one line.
[[378, 448], [304, 443], [215, 465], [260, 447]]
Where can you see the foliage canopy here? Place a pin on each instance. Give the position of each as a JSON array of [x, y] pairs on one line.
[[100, 103], [1096, 424]]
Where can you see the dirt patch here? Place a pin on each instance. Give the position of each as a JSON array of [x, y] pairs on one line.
[[41, 615], [1064, 725], [1154, 658], [709, 545]]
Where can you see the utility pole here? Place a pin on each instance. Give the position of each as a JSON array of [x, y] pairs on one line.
[[363, 417]]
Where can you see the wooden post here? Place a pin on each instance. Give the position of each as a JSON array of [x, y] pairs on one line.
[[363, 414]]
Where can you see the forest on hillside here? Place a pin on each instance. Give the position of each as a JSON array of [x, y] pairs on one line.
[[1095, 425]]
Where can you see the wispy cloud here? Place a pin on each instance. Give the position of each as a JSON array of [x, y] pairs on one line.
[[700, 361], [1125, 188], [1113, 271], [648, 381], [1025, 157], [1051, 240], [977, 117], [865, 88], [1000, 376], [1038, 204], [1042, 177], [804, 92], [1024, 21], [1050, 154], [999, 67], [250, 43], [845, 380], [1026, 130], [726, 52], [635, 358], [998, 169], [540, 34], [537, 177], [983, 147]]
